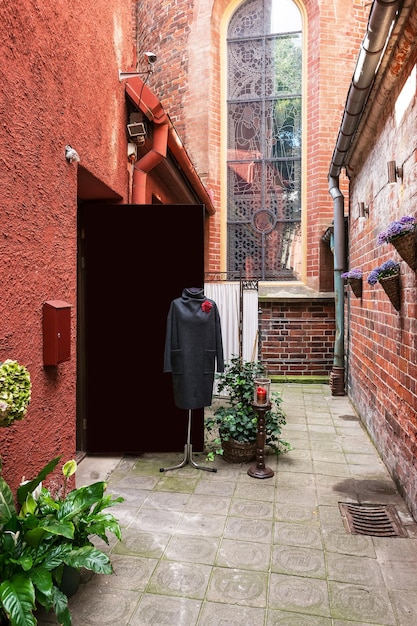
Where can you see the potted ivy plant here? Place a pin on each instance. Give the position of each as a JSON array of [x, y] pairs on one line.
[[234, 425], [40, 534]]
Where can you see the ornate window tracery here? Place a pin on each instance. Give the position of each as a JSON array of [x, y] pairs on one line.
[[264, 141]]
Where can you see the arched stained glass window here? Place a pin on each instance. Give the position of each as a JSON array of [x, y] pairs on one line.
[[264, 141]]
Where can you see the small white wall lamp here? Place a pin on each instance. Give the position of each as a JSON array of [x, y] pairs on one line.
[[71, 154]]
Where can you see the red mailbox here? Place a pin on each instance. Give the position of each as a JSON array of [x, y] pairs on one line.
[[56, 332]]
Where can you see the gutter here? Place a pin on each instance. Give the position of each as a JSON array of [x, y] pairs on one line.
[[164, 137], [380, 23]]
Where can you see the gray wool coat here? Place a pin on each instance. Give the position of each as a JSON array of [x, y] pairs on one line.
[[193, 348]]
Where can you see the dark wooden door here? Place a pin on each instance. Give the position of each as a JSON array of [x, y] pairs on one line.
[[136, 260]]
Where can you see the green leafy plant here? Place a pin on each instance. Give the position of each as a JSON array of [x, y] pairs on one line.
[[237, 420], [15, 392], [41, 534]]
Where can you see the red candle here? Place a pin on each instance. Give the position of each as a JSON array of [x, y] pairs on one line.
[[261, 395]]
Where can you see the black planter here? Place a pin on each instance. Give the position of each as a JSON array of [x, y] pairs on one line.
[[70, 581]]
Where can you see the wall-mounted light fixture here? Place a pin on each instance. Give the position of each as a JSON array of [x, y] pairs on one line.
[[136, 128], [363, 209], [137, 132], [71, 154], [394, 172]]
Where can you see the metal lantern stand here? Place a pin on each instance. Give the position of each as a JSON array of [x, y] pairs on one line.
[[259, 470], [188, 454]]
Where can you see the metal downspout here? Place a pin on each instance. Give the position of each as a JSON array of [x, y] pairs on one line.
[[380, 22], [165, 136], [149, 161]]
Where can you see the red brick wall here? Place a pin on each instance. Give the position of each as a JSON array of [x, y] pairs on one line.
[[380, 341], [297, 338]]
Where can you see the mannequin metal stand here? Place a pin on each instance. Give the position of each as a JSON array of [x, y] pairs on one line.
[[188, 454], [259, 470]]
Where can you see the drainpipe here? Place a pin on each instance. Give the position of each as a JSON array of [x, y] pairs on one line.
[[380, 22], [164, 137]]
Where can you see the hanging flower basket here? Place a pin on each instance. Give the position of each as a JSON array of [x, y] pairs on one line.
[[388, 275], [356, 286], [354, 279], [391, 286], [406, 246], [402, 234]]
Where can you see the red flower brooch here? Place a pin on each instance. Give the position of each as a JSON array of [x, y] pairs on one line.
[[206, 306]]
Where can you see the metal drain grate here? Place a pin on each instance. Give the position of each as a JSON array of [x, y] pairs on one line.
[[379, 520]]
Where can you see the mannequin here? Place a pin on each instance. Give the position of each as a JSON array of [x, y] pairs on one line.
[[193, 348], [193, 352]]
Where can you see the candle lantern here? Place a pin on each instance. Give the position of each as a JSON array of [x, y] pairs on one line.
[[261, 394]]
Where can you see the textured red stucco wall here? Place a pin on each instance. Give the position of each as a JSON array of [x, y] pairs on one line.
[[59, 85]]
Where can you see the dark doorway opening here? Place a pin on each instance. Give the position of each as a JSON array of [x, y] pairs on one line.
[[134, 260]]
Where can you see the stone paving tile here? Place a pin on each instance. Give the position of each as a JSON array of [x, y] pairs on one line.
[[400, 575], [133, 498], [282, 618], [139, 543], [249, 555], [202, 503], [211, 488], [192, 549], [219, 614], [165, 521], [253, 509], [299, 595], [184, 484], [354, 569], [298, 561], [331, 469], [166, 500], [174, 578], [288, 512], [302, 535], [294, 480], [248, 529], [155, 610], [405, 606], [237, 586], [256, 491], [201, 524], [361, 603], [337, 540], [104, 606], [130, 572]]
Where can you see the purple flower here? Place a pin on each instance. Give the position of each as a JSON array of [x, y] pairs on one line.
[[404, 225], [355, 273], [389, 268]]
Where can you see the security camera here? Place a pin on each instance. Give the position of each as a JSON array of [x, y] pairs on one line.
[[151, 57]]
